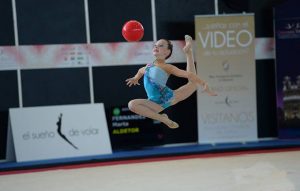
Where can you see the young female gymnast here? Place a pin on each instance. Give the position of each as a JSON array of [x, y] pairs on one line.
[[156, 75]]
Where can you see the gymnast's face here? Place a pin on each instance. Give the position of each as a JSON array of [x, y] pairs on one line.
[[160, 49]]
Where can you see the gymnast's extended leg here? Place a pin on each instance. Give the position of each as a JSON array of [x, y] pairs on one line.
[[188, 89]]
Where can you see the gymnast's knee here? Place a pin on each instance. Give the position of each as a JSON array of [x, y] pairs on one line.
[[132, 105]]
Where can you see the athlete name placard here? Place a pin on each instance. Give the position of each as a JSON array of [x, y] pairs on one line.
[[53, 132]]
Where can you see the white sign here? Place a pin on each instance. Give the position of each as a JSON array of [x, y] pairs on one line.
[[226, 60], [53, 132]]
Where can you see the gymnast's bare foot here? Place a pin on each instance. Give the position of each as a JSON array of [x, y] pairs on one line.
[[188, 44], [171, 124]]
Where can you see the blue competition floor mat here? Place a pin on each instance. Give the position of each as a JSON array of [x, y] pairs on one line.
[[159, 151]]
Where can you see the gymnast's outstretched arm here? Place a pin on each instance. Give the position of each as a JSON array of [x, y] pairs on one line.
[[135, 80], [191, 77]]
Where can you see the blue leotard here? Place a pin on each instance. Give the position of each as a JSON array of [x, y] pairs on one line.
[[155, 80]]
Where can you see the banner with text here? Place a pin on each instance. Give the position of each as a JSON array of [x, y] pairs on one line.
[[82, 55], [287, 35], [99, 54], [54, 132], [225, 58]]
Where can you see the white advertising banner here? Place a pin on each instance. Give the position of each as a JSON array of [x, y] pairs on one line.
[[82, 55], [225, 58], [53, 132], [99, 54]]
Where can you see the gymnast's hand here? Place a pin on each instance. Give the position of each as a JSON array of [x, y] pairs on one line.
[[132, 81], [207, 90]]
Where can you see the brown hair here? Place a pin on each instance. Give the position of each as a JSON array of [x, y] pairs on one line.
[[170, 47]]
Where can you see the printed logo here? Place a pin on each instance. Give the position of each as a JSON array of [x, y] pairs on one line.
[[225, 65], [59, 127], [290, 30], [227, 101]]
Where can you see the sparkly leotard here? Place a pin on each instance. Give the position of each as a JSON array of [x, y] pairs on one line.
[[155, 80]]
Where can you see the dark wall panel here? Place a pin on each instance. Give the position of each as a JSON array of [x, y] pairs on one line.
[[282, 5], [7, 26], [43, 87], [175, 18], [263, 17], [107, 19], [233, 6], [263, 11], [3, 133], [110, 86], [9, 90], [266, 98], [51, 21], [9, 98]]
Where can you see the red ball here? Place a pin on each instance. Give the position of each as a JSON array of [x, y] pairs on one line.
[[133, 31]]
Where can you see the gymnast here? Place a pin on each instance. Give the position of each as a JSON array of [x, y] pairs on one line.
[[156, 75]]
